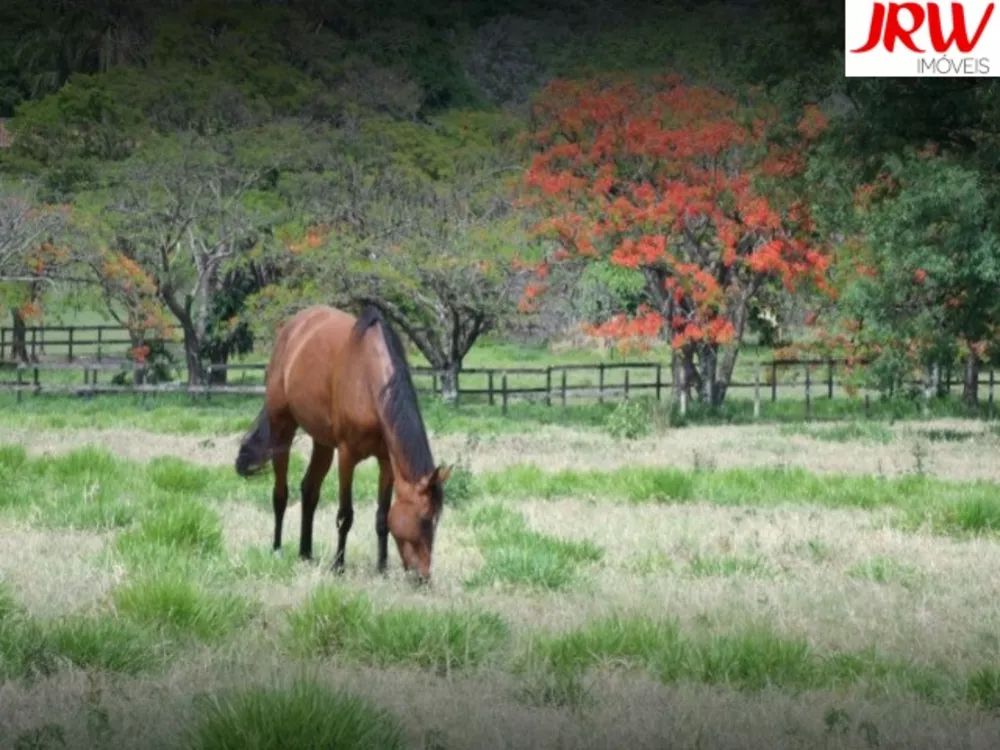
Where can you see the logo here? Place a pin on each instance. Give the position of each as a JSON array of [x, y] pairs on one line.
[[918, 39]]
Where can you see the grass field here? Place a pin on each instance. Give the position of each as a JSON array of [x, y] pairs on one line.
[[715, 586]]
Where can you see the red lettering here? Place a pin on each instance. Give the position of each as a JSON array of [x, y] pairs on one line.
[[959, 36], [894, 29], [886, 27], [875, 31]]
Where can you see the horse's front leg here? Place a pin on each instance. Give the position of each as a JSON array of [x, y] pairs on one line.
[[345, 514], [385, 479]]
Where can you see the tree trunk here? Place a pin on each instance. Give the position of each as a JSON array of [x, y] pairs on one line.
[[709, 359], [970, 388], [449, 382], [219, 357], [192, 357], [138, 375], [676, 370], [19, 346]]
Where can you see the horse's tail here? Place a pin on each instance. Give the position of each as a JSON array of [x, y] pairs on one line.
[[256, 449]]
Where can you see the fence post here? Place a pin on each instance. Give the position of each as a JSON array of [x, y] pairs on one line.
[[774, 381], [548, 385], [70, 355], [434, 384], [829, 379], [659, 380], [626, 384], [34, 343], [3, 343], [489, 379], [100, 336], [564, 387], [868, 406], [600, 383], [20, 380], [683, 398], [503, 385], [756, 393], [989, 402], [808, 394]]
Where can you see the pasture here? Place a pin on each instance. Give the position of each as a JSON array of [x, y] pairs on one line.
[[782, 586]]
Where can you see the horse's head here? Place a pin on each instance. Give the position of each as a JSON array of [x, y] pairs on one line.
[[413, 518]]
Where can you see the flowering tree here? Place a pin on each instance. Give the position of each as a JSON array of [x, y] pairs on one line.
[[692, 188], [30, 256]]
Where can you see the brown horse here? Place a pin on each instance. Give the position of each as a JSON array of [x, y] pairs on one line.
[[346, 382]]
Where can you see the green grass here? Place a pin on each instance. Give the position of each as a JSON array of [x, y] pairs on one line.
[[303, 717], [333, 621], [729, 565], [169, 504], [229, 414], [885, 570], [944, 506], [90, 488], [30, 648], [176, 605], [517, 555], [184, 526], [755, 659]]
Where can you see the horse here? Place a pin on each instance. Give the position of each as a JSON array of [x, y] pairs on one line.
[[346, 382]]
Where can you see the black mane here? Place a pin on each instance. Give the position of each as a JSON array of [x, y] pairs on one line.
[[401, 409]]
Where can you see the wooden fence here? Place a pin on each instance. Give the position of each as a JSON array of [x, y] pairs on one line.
[[97, 343], [614, 381]]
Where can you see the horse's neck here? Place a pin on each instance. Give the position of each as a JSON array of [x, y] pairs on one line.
[[377, 378]]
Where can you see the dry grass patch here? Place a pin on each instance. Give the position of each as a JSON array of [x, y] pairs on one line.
[[812, 574], [55, 572]]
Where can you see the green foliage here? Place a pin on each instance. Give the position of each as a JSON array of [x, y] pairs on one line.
[[605, 289], [938, 223], [631, 419]]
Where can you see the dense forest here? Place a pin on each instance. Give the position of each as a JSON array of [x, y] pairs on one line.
[[687, 172]]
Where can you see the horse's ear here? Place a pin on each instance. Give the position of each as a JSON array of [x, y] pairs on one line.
[[441, 473]]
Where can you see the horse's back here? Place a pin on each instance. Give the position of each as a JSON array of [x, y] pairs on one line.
[[304, 366]]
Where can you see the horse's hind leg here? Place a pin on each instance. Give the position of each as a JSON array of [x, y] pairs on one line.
[[279, 495], [319, 465]]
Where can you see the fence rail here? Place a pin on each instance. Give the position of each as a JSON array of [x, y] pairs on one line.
[[69, 343], [552, 382]]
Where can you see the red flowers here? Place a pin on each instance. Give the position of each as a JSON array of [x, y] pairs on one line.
[[681, 178]]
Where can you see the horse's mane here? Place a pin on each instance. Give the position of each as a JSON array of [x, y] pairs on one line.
[[400, 407]]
